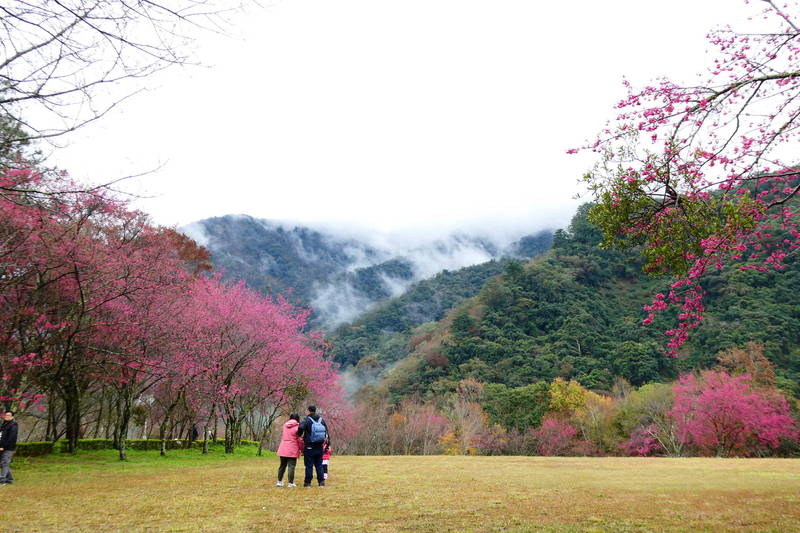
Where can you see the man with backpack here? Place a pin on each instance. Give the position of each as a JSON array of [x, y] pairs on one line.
[[314, 432]]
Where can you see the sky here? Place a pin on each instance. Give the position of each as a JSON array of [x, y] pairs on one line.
[[424, 115]]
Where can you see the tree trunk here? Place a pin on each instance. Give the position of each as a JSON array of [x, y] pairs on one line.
[[162, 435], [117, 422], [73, 416], [232, 428], [206, 425], [50, 430], [110, 423], [123, 421], [205, 438], [98, 428]]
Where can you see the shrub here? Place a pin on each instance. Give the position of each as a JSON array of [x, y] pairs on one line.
[[30, 449], [92, 444], [148, 444], [221, 442], [643, 442]]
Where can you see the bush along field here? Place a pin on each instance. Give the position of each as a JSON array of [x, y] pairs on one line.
[[188, 491], [31, 449]]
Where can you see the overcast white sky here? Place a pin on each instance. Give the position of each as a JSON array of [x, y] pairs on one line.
[[393, 114]]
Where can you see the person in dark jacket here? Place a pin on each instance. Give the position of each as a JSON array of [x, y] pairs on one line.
[[313, 445], [8, 445]]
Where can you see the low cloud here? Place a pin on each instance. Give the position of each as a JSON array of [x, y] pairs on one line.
[[340, 252]]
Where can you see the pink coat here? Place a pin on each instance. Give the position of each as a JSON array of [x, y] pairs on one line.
[[291, 445], [327, 453]]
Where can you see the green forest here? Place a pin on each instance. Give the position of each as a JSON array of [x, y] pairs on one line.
[[574, 313]]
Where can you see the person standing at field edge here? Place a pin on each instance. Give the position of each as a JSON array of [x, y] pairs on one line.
[[289, 450], [8, 445], [314, 432]]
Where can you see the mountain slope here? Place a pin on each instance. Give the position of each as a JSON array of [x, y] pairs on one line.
[[341, 274], [576, 313]]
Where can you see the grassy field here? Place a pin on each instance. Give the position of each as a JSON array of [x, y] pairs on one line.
[[188, 492]]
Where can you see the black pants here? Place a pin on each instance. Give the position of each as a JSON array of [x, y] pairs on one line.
[[312, 457], [291, 462]]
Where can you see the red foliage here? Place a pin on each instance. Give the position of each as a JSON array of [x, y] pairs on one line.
[[555, 437], [643, 442], [94, 298], [724, 415]]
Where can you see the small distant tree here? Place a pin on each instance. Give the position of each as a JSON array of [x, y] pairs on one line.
[[643, 442], [749, 360], [566, 397], [517, 408], [595, 421], [467, 418], [555, 437], [397, 431], [644, 416], [423, 427]]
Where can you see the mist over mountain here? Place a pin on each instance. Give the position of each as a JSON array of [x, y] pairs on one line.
[[341, 272]]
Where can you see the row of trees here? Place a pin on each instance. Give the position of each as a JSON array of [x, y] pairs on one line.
[[104, 316], [711, 413]]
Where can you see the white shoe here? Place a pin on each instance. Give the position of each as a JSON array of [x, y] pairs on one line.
[[292, 485], [279, 484]]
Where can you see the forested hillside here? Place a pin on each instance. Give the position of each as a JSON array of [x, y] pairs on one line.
[[340, 274], [576, 313]]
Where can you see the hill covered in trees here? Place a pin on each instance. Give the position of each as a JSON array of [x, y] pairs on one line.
[[576, 313], [341, 273]]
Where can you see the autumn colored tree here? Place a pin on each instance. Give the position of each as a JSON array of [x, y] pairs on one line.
[[644, 417], [566, 397], [703, 175], [467, 417], [594, 421], [749, 360]]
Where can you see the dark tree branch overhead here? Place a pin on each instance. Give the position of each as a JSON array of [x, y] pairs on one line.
[[58, 57]]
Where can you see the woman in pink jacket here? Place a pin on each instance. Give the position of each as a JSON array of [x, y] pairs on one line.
[[290, 449]]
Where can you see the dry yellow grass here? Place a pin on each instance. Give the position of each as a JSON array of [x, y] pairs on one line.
[[387, 494]]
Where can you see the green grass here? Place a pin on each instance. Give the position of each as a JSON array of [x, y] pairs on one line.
[[92, 491]]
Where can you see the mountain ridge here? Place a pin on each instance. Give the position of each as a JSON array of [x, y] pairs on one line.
[[342, 272]]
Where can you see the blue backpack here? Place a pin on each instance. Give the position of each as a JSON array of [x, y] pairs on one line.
[[316, 431]]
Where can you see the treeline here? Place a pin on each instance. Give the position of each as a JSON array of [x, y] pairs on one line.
[[732, 410], [109, 321]]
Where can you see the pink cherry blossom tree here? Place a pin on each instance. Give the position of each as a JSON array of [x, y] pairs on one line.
[[725, 415], [704, 174], [96, 304]]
